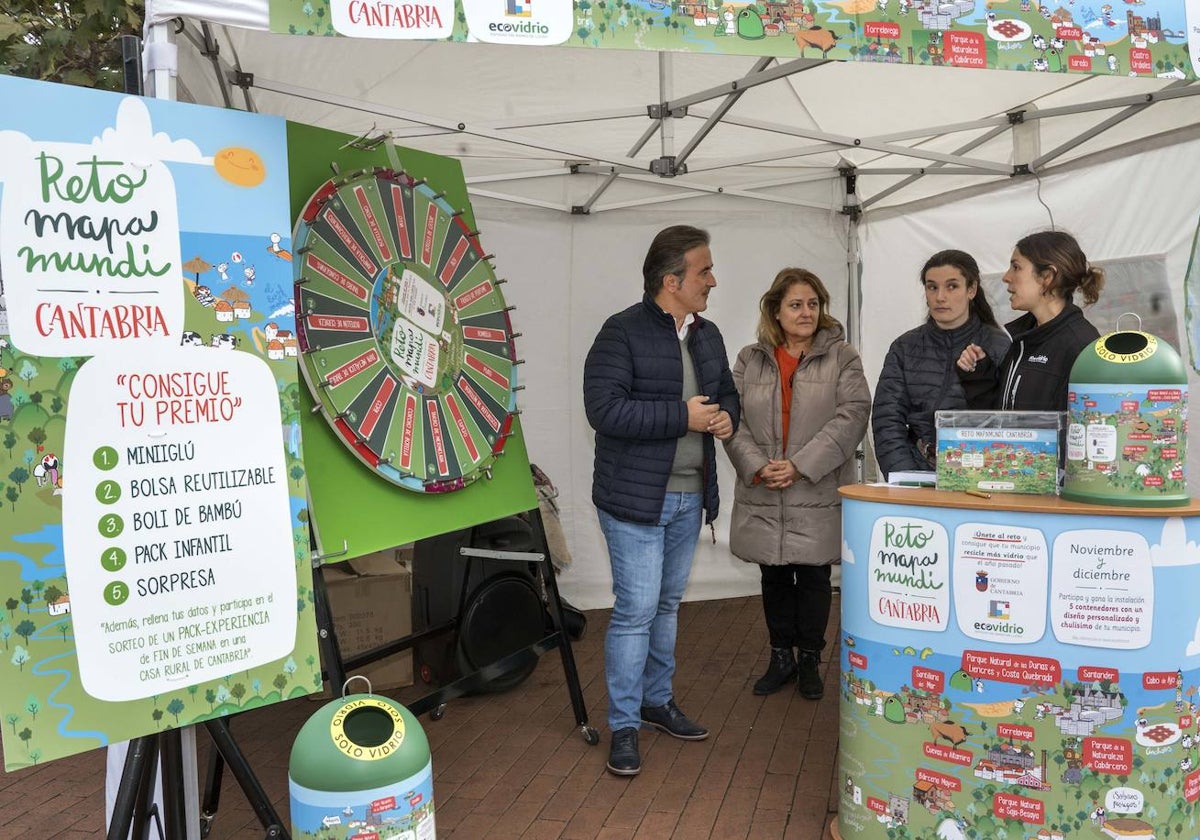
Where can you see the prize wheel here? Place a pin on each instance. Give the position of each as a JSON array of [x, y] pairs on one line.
[[404, 338]]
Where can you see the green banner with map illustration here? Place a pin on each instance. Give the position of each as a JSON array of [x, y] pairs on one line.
[[1147, 38], [154, 548]]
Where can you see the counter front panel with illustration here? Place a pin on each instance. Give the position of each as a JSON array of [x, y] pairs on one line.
[[1027, 676]]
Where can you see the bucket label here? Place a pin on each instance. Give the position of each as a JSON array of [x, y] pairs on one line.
[[402, 810], [1109, 355], [365, 752], [1126, 441]]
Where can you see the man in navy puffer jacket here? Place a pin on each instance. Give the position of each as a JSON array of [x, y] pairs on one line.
[[657, 389]]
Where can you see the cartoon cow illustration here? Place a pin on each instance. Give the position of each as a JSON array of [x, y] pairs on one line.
[[823, 39], [191, 339], [953, 732], [224, 341]]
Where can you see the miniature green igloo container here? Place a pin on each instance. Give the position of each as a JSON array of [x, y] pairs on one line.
[[1127, 423], [361, 766]]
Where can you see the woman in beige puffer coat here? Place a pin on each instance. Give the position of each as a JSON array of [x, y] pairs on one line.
[[805, 404]]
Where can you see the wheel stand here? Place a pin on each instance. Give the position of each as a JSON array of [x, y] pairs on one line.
[[435, 702]]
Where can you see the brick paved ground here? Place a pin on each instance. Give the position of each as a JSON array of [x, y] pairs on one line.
[[513, 765]]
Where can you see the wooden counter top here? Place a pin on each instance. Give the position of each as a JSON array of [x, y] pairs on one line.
[[1021, 503]]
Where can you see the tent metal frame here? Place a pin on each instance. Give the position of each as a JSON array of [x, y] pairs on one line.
[[672, 170]]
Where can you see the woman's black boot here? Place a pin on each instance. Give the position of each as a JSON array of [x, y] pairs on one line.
[[808, 675], [779, 673]]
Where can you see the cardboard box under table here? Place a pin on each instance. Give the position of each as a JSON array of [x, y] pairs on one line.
[[370, 598]]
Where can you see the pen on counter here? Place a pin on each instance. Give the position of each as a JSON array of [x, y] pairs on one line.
[[978, 493]]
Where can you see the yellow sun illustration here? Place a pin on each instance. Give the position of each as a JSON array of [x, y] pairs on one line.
[[240, 166]]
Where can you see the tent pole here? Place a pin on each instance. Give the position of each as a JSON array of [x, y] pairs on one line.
[[666, 87], [161, 60], [852, 210]]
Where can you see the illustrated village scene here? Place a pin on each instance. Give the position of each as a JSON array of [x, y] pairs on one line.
[[1016, 466], [1127, 37], [1071, 753], [1123, 426]]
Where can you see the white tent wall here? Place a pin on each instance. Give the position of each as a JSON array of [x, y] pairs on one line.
[[776, 158], [1144, 204], [567, 274]]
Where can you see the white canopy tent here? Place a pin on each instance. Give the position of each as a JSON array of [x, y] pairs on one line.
[[574, 158]]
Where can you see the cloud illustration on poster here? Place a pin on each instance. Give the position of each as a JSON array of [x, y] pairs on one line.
[[133, 133], [1174, 548], [847, 553], [1193, 645]]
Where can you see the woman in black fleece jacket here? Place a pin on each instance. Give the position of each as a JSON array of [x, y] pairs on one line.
[[918, 376], [1045, 271]]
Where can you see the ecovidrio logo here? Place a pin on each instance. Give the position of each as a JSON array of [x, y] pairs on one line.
[[395, 19], [520, 21]]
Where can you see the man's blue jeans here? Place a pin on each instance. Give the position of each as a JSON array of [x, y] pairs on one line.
[[650, 568]]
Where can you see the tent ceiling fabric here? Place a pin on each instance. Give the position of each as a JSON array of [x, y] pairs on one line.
[[552, 127]]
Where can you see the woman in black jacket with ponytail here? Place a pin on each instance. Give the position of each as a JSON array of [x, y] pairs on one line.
[[1045, 271], [919, 376]]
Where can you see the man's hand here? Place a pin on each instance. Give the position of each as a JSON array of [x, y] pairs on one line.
[[701, 414]]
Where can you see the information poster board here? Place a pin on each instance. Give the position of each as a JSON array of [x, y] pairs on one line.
[[1028, 676], [154, 557], [1146, 38]]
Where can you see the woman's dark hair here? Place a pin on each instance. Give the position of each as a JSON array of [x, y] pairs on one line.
[[1057, 251], [769, 331], [666, 254], [966, 264]]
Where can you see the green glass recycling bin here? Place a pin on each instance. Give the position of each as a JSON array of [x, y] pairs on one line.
[[361, 766], [1127, 423]]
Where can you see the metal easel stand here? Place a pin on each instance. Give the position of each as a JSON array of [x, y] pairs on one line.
[[133, 809]]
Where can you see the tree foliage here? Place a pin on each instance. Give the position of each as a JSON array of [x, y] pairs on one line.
[[72, 41]]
